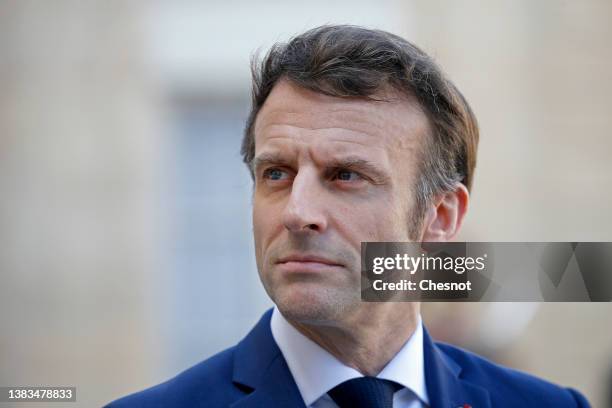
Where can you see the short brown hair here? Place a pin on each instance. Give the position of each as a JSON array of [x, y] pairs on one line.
[[352, 61]]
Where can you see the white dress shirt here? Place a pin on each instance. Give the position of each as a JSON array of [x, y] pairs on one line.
[[316, 371]]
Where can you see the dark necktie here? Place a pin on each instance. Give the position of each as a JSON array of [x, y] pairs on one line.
[[364, 392]]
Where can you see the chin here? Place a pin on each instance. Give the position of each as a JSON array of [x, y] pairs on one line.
[[313, 304]]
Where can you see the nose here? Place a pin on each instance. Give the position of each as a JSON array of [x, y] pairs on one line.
[[305, 210]]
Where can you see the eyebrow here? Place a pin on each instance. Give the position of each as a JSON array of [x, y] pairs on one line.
[[269, 158], [372, 170]]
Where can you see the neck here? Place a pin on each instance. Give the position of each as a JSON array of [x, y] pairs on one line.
[[369, 338]]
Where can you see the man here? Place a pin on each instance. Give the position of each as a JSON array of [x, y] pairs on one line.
[[354, 135]]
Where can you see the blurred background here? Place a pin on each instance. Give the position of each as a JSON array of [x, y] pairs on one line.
[[125, 240]]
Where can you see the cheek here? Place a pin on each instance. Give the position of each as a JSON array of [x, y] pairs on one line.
[[266, 223], [259, 225], [381, 220], [358, 223]]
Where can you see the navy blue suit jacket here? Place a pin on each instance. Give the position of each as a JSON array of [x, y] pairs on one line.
[[254, 374]]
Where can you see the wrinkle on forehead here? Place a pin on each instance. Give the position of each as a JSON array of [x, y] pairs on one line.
[[331, 134], [290, 110]]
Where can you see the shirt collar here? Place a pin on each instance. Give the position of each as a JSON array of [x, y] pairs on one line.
[[316, 371]]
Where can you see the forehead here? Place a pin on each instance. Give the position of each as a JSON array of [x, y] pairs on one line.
[[292, 114]]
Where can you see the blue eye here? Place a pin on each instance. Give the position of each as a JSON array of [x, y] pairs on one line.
[[346, 175], [274, 174]]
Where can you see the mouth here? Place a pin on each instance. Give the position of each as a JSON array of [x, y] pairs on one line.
[[307, 264]]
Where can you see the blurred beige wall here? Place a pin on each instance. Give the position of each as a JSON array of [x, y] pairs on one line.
[[77, 154], [538, 76]]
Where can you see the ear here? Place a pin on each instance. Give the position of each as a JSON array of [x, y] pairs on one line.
[[445, 217]]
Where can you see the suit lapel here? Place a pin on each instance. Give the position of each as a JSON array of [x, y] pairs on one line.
[[260, 366], [444, 386]]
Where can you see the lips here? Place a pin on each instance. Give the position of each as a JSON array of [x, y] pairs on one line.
[[306, 263], [308, 259]]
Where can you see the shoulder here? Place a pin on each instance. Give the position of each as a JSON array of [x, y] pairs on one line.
[[217, 381], [503, 382], [208, 382]]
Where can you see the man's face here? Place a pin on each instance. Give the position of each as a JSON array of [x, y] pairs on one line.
[[329, 173]]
